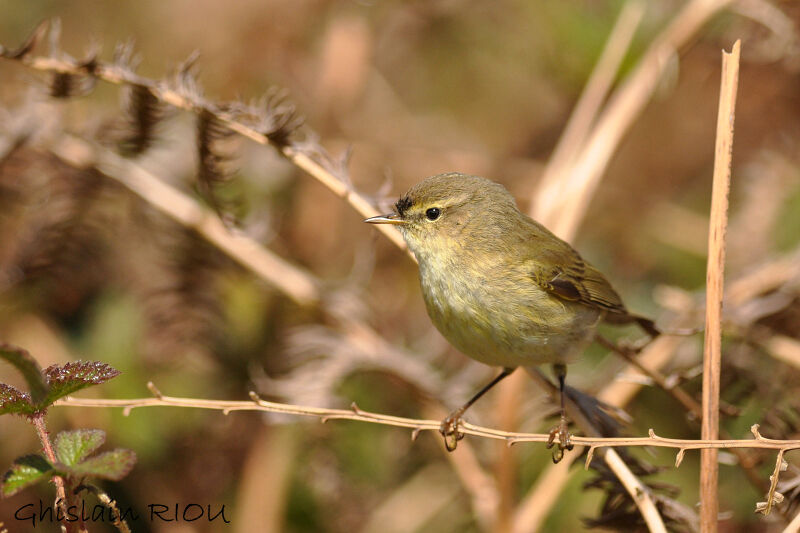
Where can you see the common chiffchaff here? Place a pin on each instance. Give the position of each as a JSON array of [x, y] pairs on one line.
[[498, 285]]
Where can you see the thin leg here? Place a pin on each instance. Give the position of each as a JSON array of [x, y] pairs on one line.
[[562, 429], [449, 427]]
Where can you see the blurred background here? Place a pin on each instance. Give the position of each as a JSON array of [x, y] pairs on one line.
[[90, 271]]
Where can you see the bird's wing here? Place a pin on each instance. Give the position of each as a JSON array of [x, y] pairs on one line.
[[582, 282], [560, 270]]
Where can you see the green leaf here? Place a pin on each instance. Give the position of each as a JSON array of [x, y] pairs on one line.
[[72, 447], [113, 465], [29, 368], [25, 471], [14, 401], [73, 377]]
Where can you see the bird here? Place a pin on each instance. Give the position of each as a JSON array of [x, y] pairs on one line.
[[500, 287]]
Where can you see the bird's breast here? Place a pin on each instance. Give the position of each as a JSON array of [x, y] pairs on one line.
[[497, 314]]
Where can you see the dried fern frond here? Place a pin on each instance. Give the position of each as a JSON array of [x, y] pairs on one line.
[[335, 165], [184, 80], [125, 58], [55, 244], [214, 159], [184, 312], [272, 115], [65, 85], [68, 84], [143, 113]]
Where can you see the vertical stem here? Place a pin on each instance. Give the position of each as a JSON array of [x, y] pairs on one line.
[[709, 467], [44, 438]]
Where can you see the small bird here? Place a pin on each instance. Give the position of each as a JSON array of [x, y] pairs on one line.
[[501, 287]]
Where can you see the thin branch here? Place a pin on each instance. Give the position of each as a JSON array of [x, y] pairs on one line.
[[689, 403], [773, 496], [418, 425], [637, 490], [58, 481], [709, 467]]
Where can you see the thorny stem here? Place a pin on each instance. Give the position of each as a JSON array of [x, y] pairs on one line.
[[418, 425], [44, 437]]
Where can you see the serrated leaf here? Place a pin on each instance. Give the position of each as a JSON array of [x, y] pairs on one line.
[[25, 471], [29, 369], [113, 465], [14, 401], [73, 377], [72, 447]]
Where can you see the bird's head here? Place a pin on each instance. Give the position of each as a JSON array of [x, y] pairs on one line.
[[450, 212]]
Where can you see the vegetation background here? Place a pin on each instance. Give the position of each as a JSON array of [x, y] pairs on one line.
[[411, 89]]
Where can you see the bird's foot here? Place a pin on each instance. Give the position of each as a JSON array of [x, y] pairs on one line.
[[449, 429], [561, 431]]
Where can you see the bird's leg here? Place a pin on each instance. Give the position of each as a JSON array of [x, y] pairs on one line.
[[562, 429], [449, 427]]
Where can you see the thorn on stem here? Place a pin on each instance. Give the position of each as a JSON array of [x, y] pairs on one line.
[[154, 390], [415, 433], [589, 457], [679, 457]]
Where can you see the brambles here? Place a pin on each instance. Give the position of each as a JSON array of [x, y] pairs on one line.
[[68, 460]]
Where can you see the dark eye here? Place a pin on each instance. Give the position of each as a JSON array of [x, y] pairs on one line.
[[433, 213]]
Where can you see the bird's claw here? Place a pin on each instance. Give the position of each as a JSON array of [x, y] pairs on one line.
[[449, 430], [561, 431]]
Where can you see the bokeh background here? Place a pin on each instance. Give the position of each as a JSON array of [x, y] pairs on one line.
[[407, 89]]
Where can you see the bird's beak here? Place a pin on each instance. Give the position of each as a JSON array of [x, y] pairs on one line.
[[391, 218]]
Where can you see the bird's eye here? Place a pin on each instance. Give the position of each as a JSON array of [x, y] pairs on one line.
[[433, 213]]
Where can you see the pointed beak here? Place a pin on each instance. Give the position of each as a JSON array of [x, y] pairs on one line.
[[391, 218]]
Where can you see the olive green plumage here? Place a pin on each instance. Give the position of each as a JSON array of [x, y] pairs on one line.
[[499, 286]]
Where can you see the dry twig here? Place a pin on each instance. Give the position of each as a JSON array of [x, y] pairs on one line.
[[709, 468]]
